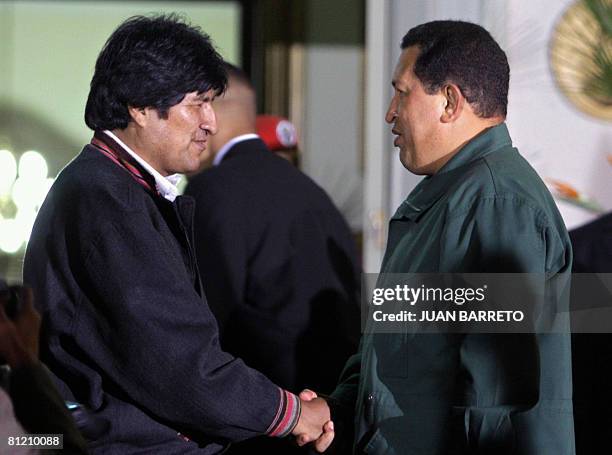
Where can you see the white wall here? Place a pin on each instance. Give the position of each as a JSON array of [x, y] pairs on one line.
[[332, 137], [560, 141], [332, 103]]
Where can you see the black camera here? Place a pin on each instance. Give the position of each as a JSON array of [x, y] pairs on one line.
[[10, 296]]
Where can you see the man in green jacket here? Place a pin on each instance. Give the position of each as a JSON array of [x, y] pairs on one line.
[[480, 208]]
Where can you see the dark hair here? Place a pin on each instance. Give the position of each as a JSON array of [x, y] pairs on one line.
[[464, 54], [151, 62]]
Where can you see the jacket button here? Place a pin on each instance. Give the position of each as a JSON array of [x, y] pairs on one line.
[[370, 398]]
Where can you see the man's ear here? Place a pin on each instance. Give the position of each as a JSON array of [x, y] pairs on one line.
[[455, 103], [140, 115]]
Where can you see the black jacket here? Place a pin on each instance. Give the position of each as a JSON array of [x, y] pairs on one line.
[[592, 352], [592, 244], [279, 270], [279, 266], [126, 330]]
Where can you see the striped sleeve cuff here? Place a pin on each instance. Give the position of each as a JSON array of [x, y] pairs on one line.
[[287, 415]]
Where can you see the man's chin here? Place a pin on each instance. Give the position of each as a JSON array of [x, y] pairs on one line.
[[194, 166], [405, 160], [206, 160], [412, 166]]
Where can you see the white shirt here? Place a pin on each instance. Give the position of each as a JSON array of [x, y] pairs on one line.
[[229, 144], [165, 185]]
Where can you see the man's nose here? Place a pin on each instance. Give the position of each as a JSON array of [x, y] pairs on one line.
[[209, 119], [391, 111]]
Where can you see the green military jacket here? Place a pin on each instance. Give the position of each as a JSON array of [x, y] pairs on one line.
[[486, 210]]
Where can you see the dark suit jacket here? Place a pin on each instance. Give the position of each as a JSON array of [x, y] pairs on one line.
[[279, 270], [279, 267], [592, 352], [592, 245], [125, 330]]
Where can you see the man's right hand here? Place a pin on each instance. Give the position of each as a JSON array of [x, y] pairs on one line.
[[315, 424]]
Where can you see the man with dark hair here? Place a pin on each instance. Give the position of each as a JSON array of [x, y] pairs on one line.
[[480, 208], [127, 330], [278, 260]]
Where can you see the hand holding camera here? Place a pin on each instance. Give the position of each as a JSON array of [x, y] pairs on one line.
[[19, 326]]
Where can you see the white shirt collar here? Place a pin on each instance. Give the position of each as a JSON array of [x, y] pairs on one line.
[[165, 185], [229, 144]]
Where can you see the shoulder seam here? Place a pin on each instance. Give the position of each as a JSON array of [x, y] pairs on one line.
[[490, 174]]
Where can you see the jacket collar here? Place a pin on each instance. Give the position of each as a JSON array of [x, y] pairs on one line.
[[165, 186], [114, 149], [115, 152], [248, 146], [433, 187], [231, 143]]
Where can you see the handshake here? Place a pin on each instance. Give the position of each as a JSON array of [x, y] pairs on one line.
[[315, 423]]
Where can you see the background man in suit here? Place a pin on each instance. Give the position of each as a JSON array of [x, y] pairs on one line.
[[278, 262], [592, 352]]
